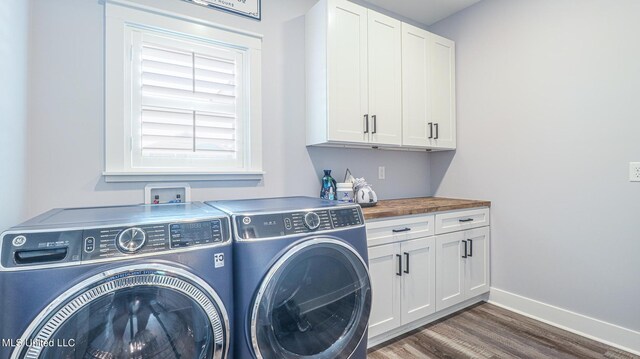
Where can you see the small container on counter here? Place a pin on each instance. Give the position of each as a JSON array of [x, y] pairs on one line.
[[345, 192]]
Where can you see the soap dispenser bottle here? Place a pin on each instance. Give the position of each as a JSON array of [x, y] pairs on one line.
[[328, 190]]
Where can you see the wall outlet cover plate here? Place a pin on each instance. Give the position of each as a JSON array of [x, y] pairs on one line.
[[634, 171]]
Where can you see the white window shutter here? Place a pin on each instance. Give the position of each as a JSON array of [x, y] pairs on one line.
[[188, 100]]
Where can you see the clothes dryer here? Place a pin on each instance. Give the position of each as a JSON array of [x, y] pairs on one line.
[[302, 285]]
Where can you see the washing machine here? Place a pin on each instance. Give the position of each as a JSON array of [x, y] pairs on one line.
[[302, 286], [147, 281]]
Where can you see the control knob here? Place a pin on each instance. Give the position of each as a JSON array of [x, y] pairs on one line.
[[312, 220], [131, 240]]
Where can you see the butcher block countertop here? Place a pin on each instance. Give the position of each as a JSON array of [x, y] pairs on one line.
[[409, 206]]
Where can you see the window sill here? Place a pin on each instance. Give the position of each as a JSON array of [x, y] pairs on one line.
[[119, 177]]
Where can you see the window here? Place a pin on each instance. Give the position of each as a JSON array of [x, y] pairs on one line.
[[182, 98]]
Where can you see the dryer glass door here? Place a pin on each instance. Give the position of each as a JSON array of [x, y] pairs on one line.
[[143, 314], [314, 303]]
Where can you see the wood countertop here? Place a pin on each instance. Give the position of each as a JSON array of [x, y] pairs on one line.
[[409, 206]]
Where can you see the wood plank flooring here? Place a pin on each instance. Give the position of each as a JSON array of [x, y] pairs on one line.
[[488, 331]]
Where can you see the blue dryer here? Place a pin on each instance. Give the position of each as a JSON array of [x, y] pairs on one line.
[[140, 282], [302, 285]]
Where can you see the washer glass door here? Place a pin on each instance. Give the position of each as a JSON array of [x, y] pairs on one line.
[[314, 303], [138, 314]]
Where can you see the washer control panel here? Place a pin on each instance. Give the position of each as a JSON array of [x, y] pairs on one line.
[[47, 248], [282, 224]]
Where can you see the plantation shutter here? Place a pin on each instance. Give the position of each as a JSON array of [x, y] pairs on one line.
[[188, 102]]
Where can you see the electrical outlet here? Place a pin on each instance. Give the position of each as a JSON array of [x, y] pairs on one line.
[[381, 173], [634, 171]]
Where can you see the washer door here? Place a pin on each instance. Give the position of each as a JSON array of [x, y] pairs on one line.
[[314, 303], [150, 311]]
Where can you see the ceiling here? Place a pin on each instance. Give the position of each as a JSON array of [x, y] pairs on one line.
[[425, 12]]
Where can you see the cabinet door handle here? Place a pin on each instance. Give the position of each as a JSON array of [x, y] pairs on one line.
[[406, 257], [465, 220], [465, 249], [366, 123], [399, 272], [437, 132], [430, 129], [375, 124], [406, 229], [470, 247]]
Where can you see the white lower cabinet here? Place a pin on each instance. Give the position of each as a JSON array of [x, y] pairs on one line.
[[385, 289], [403, 283], [418, 279], [415, 273], [462, 266]]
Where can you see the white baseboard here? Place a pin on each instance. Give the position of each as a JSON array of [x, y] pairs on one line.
[[610, 334]]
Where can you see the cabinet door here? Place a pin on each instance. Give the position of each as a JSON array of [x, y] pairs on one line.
[[416, 44], [347, 72], [385, 79], [443, 92], [418, 279], [385, 288], [477, 279], [450, 274]]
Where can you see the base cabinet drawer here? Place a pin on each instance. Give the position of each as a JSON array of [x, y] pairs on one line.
[[461, 220], [399, 229]]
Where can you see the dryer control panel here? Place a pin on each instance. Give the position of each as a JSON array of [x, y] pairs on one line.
[[50, 248], [261, 226]]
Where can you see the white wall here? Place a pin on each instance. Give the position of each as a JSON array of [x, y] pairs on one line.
[[548, 119], [14, 36], [67, 119]]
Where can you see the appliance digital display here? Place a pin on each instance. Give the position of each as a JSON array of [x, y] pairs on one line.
[[187, 234], [195, 232], [345, 217]]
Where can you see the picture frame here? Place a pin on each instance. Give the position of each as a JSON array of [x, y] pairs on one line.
[[248, 8]]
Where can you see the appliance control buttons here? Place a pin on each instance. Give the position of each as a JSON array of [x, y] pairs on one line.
[[19, 241], [287, 223], [312, 220], [89, 244], [131, 240], [246, 220]]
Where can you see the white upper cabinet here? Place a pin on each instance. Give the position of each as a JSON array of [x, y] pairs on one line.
[[373, 81], [443, 93], [416, 47], [354, 81], [347, 71], [428, 89], [385, 79]]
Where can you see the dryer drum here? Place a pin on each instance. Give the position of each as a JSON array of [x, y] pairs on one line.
[[140, 314], [314, 303]]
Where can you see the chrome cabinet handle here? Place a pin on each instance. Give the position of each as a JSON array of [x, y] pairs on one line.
[[430, 129], [399, 272], [437, 132], [465, 249], [470, 248], [465, 220], [406, 229]]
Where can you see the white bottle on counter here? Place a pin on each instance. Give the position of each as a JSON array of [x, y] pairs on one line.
[[345, 192]]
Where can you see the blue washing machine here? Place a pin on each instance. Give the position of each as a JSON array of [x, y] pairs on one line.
[[118, 282], [302, 285]]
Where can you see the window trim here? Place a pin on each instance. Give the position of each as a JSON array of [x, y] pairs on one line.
[[119, 17]]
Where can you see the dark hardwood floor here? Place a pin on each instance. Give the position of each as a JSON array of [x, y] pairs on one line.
[[488, 331]]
